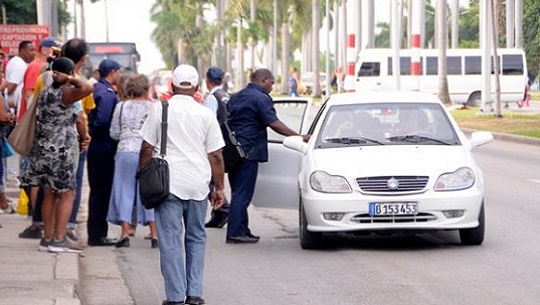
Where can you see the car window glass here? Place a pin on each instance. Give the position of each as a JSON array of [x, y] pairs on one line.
[[290, 113], [377, 124]]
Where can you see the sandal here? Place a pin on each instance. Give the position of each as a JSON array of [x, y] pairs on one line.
[[148, 236]]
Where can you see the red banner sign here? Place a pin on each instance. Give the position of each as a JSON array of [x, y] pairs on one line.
[[12, 34]]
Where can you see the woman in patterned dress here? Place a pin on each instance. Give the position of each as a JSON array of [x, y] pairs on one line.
[[127, 120], [54, 156]]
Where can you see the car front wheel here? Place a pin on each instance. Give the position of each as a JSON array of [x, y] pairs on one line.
[[474, 236], [308, 240]]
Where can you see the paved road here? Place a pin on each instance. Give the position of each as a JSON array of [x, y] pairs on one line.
[[401, 269]]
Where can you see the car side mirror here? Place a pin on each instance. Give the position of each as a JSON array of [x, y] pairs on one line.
[[296, 143], [479, 138]]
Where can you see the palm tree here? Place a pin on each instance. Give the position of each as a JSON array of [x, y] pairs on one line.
[[181, 34]]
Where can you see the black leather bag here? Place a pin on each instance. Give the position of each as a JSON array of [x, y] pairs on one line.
[[154, 183], [233, 152], [154, 177]]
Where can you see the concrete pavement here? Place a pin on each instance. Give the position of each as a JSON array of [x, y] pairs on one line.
[[28, 276]]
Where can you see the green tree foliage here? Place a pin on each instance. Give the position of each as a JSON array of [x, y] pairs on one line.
[[469, 26], [25, 12], [20, 12], [531, 34], [181, 20]]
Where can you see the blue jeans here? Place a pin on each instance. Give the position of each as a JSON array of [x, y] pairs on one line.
[[173, 217], [242, 180], [79, 177]]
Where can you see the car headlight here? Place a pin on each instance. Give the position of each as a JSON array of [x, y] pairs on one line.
[[460, 179], [326, 183]]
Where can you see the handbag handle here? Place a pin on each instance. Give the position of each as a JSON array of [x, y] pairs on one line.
[[164, 125]]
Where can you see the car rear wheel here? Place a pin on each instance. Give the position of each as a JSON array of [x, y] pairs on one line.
[[308, 240], [474, 236]]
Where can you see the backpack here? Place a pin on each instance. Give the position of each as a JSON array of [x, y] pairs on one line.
[[222, 98]]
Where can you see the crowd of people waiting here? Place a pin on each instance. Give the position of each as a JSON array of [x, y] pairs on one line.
[[111, 124]]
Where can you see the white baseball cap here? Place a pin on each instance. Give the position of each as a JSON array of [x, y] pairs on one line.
[[185, 77]]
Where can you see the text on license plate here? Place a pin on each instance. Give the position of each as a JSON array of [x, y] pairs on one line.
[[393, 208]]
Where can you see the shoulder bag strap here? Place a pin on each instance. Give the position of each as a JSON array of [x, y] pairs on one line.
[[120, 116], [164, 125]]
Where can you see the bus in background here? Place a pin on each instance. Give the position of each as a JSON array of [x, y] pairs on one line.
[[464, 70], [125, 53]]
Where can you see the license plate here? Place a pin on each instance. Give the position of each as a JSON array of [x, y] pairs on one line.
[[393, 208]]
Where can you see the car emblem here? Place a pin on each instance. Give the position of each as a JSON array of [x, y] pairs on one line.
[[392, 183]]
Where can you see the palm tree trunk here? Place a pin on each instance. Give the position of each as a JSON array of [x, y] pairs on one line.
[[83, 20], [370, 24], [315, 29], [519, 23], [239, 56], [251, 41], [454, 6], [443, 94], [285, 46], [510, 15], [494, 23], [343, 35]]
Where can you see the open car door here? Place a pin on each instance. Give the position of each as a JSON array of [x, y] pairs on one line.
[[277, 180]]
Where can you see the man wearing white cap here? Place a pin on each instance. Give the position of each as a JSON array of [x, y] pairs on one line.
[[194, 145]]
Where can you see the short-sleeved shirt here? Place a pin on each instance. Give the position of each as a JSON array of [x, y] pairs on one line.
[[100, 117], [15, 70], [193, 132], [31, 75], [127, 121], [210, 100], [251, 110]]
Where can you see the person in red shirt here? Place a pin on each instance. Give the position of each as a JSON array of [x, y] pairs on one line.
[[47, 48]]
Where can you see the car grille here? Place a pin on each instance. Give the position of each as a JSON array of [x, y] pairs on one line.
[[420, 217], [392, 184]]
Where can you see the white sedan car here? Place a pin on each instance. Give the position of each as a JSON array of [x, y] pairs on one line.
[[377, 162]]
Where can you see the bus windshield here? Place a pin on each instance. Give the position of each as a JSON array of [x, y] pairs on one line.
[[124, 53]]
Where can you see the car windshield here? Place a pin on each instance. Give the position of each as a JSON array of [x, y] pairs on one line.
[[386, 124]]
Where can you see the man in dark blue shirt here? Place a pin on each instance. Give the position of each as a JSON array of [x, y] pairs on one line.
[[251, 112], [101, 153]]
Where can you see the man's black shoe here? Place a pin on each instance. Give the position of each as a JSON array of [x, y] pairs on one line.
[[217, 222], [171, 303], [194, 300], [102, 241], [253, 236], [241, 240]]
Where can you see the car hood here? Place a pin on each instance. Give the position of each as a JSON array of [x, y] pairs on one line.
[[392, 160]]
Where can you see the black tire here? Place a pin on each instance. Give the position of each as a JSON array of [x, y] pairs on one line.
[[474, 236], [308, 240], [475, 100]]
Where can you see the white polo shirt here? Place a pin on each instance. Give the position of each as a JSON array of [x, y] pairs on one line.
[[193, 132], [15, 74]]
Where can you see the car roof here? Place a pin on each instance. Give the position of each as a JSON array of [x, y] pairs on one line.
[[379, 97]]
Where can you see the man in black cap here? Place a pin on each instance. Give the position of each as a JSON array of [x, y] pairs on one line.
[[217, 100], [101, 153]]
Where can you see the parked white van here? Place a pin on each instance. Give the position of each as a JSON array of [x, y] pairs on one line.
[[374, 72]]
